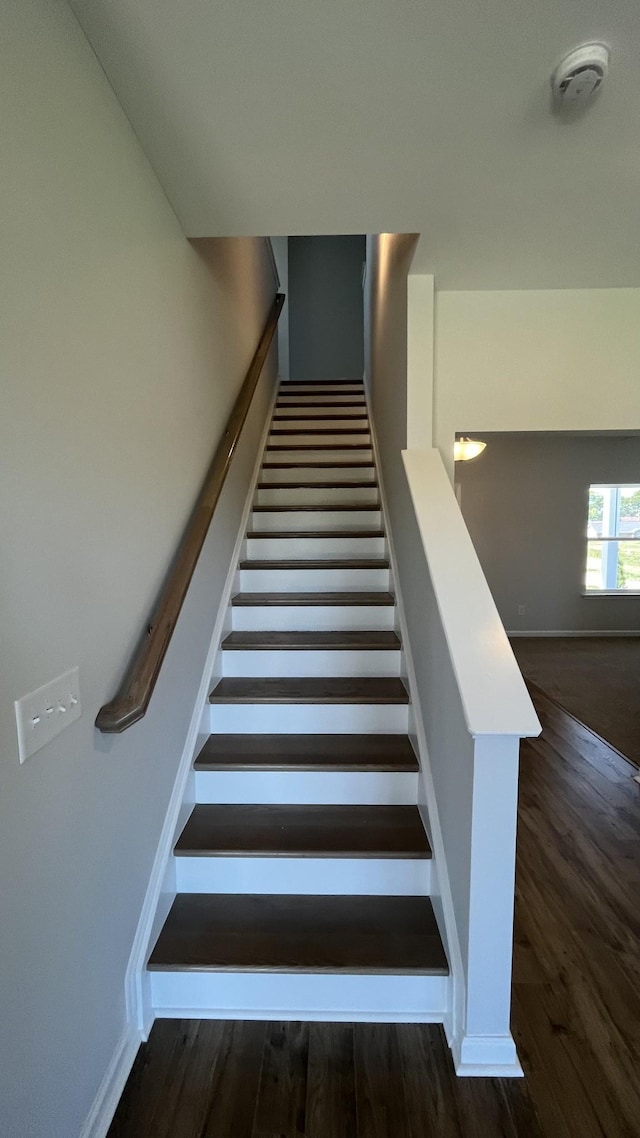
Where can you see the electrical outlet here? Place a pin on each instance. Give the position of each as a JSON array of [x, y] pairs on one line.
[[521, 610], [43, 714]]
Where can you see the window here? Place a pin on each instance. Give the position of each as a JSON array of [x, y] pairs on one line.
[[613, 539]]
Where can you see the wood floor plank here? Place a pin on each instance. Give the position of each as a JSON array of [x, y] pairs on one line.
[[300, 933], [304, 831], [282, 1095], [235, 1083], [311, 689], [428, 1082], [381, 1108], [331, 1091], [307, 752]]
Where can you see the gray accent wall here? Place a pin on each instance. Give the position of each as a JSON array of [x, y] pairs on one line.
[[326, 336], [525, 503]]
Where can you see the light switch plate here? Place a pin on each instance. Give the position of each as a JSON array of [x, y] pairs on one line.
[[43, 714]]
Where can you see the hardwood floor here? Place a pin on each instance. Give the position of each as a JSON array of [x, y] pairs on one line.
[[576, 1006]]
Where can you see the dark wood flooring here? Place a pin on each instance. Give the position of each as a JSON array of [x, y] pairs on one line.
[[576, 1006]]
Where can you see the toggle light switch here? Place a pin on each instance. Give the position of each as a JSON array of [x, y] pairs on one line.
[[43, 714]]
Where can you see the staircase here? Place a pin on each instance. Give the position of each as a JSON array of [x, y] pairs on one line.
[[303, 872]]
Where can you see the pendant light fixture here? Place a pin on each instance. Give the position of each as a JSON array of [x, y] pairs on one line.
[[465, 449]]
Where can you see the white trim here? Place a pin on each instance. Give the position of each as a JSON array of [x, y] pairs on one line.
[[574, 632], [104, 1105], [140, 1013], [441, 896], [321, 1015], [494, 698], [486, 1056]]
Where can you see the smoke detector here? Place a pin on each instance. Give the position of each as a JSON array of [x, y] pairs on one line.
[[581, 74]]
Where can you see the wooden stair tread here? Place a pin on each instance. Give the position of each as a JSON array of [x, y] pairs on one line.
[[356, 597], [310, 689], [330, 563], [319, 418], [319, 431], [304, 831], [353, 485], [307, 752], [284, 933], [318, 508], [310, 641], [309, 401], [318, 446], [352, 464], [265, 534]]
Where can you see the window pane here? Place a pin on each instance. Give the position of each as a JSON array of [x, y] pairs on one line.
[[613, 565], [596, 508], [629, 511], [628, 575], [594, 565]]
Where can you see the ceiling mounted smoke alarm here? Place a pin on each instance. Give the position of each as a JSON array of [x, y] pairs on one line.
[[581, 74]]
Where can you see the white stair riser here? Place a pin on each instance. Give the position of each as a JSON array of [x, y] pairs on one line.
[[371, 876], [307, 453], [317, 389], [312, 580], [307, 788], [346, 662], [329, 997], [313, 548], [311, 618], [294, 438], [335, 396], [317, 495], [314, 422], [299, 411], [326, 473], [281, 521], [303, 718]]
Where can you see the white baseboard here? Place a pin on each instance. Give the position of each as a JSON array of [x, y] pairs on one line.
[[514, 634], [486, 1056], [100, 1116], [140, 1014]]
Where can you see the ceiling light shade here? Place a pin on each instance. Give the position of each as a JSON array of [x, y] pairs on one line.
[[464, 449]]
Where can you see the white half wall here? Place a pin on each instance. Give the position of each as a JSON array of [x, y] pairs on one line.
[[122, 350], [547, 360]]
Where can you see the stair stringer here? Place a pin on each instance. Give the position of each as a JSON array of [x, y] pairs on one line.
[[162, 889], [441, 896]]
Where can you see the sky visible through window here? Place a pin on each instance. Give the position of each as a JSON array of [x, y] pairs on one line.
[[613, 539]]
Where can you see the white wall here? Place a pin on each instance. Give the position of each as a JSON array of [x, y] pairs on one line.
[[536, 361], [525, 502], [121, 352]]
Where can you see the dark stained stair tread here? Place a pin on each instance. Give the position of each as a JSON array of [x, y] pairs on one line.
[[355, 597], [301, 933], [310, 689], [318, 446], [307, 752], [309, 401], [287, 383], [352, 485], [351, 464], [330, 563], [304, 831], [320, 418], [384, 640], [262, 534], [319, 431]]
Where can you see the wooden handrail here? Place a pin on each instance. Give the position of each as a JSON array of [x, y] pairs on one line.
[[132, 699]]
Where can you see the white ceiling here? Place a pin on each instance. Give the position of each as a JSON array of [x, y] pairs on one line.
[[355, 116]]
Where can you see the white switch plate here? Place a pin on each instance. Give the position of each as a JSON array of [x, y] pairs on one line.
[[44, 713]]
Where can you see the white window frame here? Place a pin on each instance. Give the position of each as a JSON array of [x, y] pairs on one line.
[[609, 542]]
